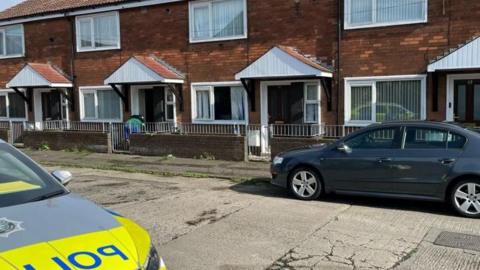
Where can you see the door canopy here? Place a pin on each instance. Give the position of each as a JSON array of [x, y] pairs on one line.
[[145, 70], [465, 56], [284, 62], [35, 75]]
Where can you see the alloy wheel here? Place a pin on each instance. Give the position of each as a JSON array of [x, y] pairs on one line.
[[304, 184], [467, 198]]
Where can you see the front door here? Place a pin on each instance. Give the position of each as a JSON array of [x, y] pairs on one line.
[[285, 104], [51, 106], [155, 105], [467, 101]]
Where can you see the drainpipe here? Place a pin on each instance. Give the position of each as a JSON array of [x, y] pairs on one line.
[[339, 39], [72, 64]]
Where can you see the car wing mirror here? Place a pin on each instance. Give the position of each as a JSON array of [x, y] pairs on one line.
[[64, 177], [344, 148]]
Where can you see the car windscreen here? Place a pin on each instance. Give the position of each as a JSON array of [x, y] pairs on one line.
[[21, 180]]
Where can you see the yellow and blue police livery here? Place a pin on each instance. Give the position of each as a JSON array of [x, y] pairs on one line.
[[45, 227]]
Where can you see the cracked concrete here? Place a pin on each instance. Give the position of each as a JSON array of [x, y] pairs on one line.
[[216, 224]]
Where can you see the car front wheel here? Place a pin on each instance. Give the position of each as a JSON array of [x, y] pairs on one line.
[[305, 184], [466, 198]]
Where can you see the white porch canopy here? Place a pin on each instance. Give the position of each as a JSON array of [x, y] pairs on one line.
[[283, 62], [147, 70], [39, 76], [464, 57]]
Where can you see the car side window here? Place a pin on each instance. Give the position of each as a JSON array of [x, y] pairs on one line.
[[456, 141], [425, 138], [385, 138]]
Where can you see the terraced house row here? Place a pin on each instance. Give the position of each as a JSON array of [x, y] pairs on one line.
[[258, 69]]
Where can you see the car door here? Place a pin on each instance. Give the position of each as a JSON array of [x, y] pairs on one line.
[[366, 166], [427, 157]]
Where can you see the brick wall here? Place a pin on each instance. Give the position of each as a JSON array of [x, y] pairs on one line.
[[279, 145], [57, 140], [189, 146]]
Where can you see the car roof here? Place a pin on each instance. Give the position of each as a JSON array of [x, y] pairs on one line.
[[450, 125]]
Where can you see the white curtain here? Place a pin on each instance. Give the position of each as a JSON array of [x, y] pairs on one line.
[[14, 40], [399, 100], [106, 31], [361, 11], [361, 103], [238, 103], [201, 22], [85, 33], [108, 104], [400, 10], [89, 105], [228, 18], [203, 104]]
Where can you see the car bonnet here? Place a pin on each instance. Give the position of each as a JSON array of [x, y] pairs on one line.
[[63, 233]]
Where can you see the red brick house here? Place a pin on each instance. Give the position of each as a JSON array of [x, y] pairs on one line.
[[240, 62]]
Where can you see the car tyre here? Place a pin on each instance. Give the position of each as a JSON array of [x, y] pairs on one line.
[[465, 198], [305, 184]]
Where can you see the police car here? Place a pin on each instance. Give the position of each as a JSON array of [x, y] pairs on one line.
[[45, 227]]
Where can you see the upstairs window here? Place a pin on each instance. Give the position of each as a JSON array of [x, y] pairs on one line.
[[218, 20], [98, 32], [11, 41], [371, 13]]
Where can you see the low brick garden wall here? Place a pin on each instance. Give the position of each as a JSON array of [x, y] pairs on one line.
[[189, 146], [67, 140], [282, 144]]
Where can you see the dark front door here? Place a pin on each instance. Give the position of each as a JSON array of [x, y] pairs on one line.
[[155, 105], [467, 101], [285, 104], [52, 106]]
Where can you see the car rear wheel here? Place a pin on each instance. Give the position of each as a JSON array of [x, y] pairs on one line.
[[305, 184], [466, 198]]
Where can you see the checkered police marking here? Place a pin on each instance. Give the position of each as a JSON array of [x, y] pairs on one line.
[[7, 227]]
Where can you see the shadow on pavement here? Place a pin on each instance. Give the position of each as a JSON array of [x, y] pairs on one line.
[[262, 187]]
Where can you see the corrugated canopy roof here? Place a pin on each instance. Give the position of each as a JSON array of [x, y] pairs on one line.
[[465, 56], [284, 62]]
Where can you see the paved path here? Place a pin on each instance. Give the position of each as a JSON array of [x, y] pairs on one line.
[[210, 223]]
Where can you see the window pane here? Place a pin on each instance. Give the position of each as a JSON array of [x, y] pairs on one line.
[[89, 105], [203, 104], [227, 18], [3, 106], [361, 103], [456, 141], [14, 40], [1, 43], [361, 11], [312, 92], [460, 103], [106, 31], [312, 113], [400, 10], [16, 106], [169, 96], [201, 22], [476, 102], [399, 100], [170, 112], [376, 139], [238, 103], [85, 33], [422, 138], [223, 105], [108, 105]]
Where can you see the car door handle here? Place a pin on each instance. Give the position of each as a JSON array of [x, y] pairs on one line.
[[384, 160], [447, 161]]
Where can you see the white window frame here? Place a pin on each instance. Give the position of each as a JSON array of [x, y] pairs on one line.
[[194, 4], [91, 18], [210, 86], [5, 92], [349, 26], [372, 82], [307, 101], [170, 103], [3, 55], [93, 90]]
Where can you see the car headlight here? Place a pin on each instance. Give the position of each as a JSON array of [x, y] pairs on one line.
[[153, 260], [277, 160]]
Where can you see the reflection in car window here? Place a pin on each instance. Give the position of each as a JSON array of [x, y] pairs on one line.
[[425, 138], [456, 141], [386, 138]]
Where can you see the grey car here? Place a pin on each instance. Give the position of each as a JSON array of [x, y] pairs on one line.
[[413, 160]]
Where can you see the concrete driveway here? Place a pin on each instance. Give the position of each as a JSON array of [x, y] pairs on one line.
[[217, 224]]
